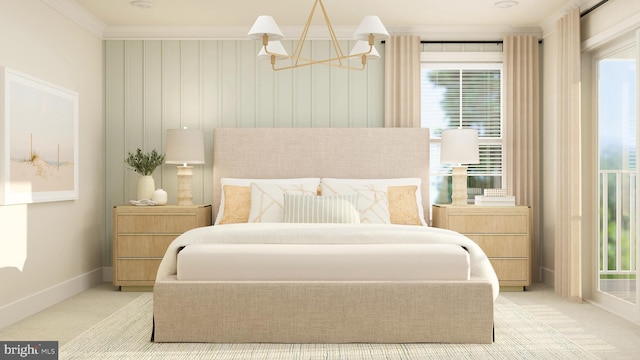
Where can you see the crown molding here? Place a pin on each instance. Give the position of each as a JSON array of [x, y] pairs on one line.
[[438, 33], [79, 15]]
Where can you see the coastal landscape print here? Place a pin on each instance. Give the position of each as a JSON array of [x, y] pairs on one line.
[[41, 124]]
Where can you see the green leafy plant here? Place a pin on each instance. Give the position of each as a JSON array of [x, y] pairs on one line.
[[143, 163]]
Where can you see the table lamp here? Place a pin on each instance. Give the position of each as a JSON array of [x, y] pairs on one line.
[[459, 146], [184, 147]]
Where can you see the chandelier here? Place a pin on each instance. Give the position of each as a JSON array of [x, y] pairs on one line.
[[370, 30]]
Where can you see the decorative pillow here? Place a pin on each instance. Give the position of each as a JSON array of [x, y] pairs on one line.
[[403, 208], [321, 209], [267, 199], [388, 182], [237, 204], [373, 204], [247, 183]]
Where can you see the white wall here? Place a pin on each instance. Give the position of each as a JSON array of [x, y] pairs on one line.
[[63, 240]]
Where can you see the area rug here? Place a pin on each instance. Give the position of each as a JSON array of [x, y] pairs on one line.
[[126, 335]]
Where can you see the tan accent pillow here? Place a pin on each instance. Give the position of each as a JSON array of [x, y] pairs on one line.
[[237, 204], [403, 208]]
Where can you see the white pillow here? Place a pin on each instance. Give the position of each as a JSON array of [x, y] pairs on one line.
[[247, 183], [321, 209], [373, 201], [387, 183], [267, 200]]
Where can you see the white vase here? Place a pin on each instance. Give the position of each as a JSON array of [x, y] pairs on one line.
[[160, 197], [146, 187]]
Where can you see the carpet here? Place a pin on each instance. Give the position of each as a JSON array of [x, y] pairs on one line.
[[126, 333]]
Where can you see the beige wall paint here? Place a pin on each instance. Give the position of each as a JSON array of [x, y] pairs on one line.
[[154, 85], [63, 240]]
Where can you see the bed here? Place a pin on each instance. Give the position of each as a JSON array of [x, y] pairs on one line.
[[357, 280]]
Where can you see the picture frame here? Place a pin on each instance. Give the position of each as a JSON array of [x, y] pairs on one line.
[[38, 140]]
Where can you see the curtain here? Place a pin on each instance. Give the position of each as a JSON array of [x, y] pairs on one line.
[[402, 81], [522, 130], [567, 266]]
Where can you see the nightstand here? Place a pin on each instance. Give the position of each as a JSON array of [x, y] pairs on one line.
[[503, 233], [141, 235]]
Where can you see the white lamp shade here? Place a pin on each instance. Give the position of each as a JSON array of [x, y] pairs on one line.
[[265, 25], [371, 25], [184, 146], [362, 47], [459, 146], [274, 48]]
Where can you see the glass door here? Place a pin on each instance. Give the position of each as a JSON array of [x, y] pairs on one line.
[[617, 177]]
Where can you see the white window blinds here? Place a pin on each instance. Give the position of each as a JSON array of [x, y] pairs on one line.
[[467, 95]]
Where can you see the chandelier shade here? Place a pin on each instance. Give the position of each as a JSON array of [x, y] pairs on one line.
[[364, 49], [265, 25], [273, 48], [371, 25]]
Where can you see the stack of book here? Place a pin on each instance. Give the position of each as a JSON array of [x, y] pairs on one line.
[[495, 200], [495, 197]]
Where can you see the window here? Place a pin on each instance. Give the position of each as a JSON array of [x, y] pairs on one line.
[[469, 95]]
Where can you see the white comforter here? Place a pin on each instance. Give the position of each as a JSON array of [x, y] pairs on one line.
[[286, 233]]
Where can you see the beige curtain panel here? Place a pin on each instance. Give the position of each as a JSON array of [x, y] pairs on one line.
[[402, 81], [522, 129], [567, 266]]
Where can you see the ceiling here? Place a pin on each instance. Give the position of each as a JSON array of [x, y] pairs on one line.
[[397, 15]]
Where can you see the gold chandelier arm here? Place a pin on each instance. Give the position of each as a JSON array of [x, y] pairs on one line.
[[307, 61], [298, 51], [332, 34], [340, 65], [328, 62]]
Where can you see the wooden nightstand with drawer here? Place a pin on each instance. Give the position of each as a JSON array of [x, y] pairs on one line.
[[141, 235], [503, 233]]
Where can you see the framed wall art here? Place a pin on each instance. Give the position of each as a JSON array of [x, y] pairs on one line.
[[39, 140]]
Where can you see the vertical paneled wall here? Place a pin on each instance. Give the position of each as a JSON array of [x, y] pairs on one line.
[[152, 86]]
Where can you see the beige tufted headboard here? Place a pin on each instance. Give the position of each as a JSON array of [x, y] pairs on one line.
[[362, 153]]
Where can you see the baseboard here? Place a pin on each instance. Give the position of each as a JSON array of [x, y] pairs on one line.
[[29, 305]]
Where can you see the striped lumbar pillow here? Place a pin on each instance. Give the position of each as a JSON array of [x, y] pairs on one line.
[[321, 209]]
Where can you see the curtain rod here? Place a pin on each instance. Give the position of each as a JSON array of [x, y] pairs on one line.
[[460, 42], [593, 8], [497, 42], [457, 42]]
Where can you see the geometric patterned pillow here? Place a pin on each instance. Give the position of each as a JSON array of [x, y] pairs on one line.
[[396, 191], [373, 201], [267, 200]]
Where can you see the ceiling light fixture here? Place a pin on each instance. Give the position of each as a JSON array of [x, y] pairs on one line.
[[142, 4], [370, 30], [505, 4]]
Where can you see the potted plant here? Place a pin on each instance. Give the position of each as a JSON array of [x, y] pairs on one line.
[[144, 164]]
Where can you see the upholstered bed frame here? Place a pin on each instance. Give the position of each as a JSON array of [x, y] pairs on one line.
[[322, 312]]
